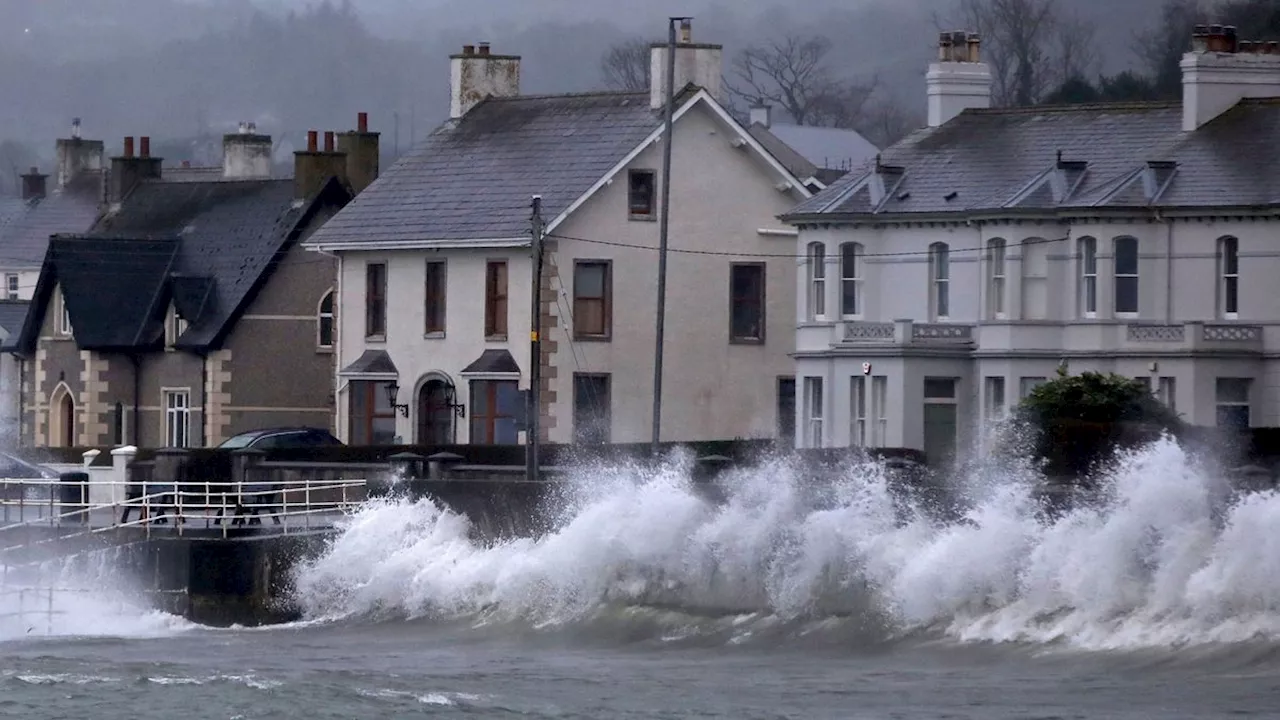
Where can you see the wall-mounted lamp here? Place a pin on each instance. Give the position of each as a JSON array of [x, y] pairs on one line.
[[393, 390]]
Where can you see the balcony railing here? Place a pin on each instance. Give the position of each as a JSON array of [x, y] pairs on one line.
[[1197, 334], [907, 332]]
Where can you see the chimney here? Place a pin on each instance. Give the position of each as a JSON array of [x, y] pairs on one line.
[[477, 74], [127, 170], [33, 185], [699, 64], [76, 155], [959, 80], [1221, 70], [246, 155], [762, 115], [312, 167], [361, 149]]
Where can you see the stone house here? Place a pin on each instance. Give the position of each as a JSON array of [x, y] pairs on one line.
[[946, 279], [189, 312], [436, 274]]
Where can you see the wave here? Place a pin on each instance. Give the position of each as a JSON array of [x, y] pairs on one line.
[[1164, 556]]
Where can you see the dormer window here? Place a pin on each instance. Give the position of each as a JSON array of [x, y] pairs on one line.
[[64, 315], [641, 186], [174, 326]]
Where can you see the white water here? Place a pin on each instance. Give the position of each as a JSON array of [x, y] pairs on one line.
[[1167, 559]]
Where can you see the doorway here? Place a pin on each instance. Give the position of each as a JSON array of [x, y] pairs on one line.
[[62, 419], [940, 421], [435, 413]]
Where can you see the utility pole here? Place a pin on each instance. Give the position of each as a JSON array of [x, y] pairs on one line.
[[664, 225], [534, 405]]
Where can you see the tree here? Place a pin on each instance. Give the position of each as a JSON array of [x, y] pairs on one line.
[[625, 65], [1127, 86], [1160, 48], [793, 74]]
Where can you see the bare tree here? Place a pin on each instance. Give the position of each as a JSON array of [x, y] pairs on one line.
[[1160, 47], [886, 120], [625, 65], [793, 74]]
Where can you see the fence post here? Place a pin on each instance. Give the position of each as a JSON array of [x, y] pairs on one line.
[[169, 468], [243, 464], [121, 458]]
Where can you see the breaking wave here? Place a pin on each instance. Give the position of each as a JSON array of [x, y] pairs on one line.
[[1165, 555]]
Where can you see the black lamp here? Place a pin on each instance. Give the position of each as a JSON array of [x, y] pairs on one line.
[[393, 389], [451, 401]]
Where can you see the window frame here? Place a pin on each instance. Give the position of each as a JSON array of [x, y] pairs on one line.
[[63, 326], [177, 418], [995, 397], [939, 282], [637, 212], [435, 298], [997, 278], [1219, 404], [603, 412], [488, 412], [814, 411], [13, 285], [1087, 249], [851, 253], [331, 316], [605, 300], [1118, 277], [761, 301], [495, 317], [858, 411], [1229, 277], [816, 254], [375, 301], [374, 391]]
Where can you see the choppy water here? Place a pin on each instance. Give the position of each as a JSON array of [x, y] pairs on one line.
[[1162, 600]]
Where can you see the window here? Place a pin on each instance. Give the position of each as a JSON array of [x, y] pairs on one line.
[[592, 412], [787, 410], [174, 326], [995, 278], [640, 193], [496, 406], [817, 281], [850, 279], [880, 410], [1167, 393], [1229, 289], [746, 302], [940, 277], [1126, 263], [11, 285], [858, 411], [993, 398], [1027, 384], [324, 322], [372, 419], [1088, 277], [177, 418], [1034, 291], [1232, 398], [434, 298], [592, 299], [64, 315], [939, 388], [495, 300], [813, 412], [375, 300]]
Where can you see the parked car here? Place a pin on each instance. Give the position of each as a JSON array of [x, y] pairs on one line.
[[269, 438]]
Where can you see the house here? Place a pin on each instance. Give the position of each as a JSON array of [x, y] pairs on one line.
[[436, 273], [189, 312], [974, 258], [818, 155], [13, 313]]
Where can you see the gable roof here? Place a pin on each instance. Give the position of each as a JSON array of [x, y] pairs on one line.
[[203, 247], [470, 182], [823, 147], [69, 209]]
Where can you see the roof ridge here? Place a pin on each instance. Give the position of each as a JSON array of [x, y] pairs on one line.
[[1078, 107], [570, 95]]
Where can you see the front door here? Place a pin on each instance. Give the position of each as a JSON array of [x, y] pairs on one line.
[[435, 417], [940, 433]]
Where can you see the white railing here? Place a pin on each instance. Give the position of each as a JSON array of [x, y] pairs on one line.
[[22, 604]]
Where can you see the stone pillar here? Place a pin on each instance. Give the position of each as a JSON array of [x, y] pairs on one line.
[[121, 458]]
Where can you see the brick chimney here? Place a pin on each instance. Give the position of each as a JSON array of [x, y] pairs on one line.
[[246, 155], [33, 185], [361, 148], [76, 155], [1221, 70], [128, 169], [697, 63], [959, 80], [313, 167], [476, 73]]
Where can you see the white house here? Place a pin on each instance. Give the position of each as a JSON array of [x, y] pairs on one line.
[[436, 274], [948, 277]]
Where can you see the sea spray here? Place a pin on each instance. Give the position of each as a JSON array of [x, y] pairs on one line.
[[1163, 556]]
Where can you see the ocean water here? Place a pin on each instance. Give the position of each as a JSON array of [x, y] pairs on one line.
[[790, 599]]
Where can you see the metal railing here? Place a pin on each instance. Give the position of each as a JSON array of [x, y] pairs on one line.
[[39, 602]]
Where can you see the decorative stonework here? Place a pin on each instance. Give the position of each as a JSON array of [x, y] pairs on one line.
[[1155, 333], [217, 394], [861, 331], [40, 400], [91, 406], [550, 323], [1232, 333]]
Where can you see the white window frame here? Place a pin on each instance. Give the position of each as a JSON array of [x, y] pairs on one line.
[[1219, 403], [174, 326], [1229, 277], [995, 400], [12, 285], [851, 277], [813, 411], [332, 316], [64, 316], [880, 410], [1088, 251], [940, 282], [996, 278], [177, 416], [1134, 276], [817, 254], [858, 411]]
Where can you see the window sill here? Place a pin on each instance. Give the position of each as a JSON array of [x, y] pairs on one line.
[[375, 338], [324, 350], [1126, 316], [607, 337], [433, 335], [1231, 317], [651, 217], [746, 341], [495, 338]]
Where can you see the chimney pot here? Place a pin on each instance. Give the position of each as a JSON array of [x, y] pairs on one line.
[[253, 128], [1273, 47], [944, 47], [686, 31], [959, 81], [75, 128], [35, 170], [975, 44], [242, 128], [144, 146], [312, 141], [468, 50], [483, 49], [960, 46], [328, 141], [1214, 39], [128, 147], [362, 122], [1200, 39], [1245, 46]]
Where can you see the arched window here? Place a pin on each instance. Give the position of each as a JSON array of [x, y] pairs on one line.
[[851, 280], [1228, 277], [1087, 249], [324, 322], [817, 281], [1126, 275], [995, 278], [939, 281]]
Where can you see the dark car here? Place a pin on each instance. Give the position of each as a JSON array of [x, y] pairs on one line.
[[269, 438]]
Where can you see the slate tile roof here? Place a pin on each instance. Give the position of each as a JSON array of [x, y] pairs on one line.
[[116, 308], [70, 209], [825, 147], [12, 315], [472, 179], [371, 362]]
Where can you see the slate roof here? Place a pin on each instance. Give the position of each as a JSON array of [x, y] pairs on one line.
[[12, 314], [117, 308], [472, 179], [798, 164], [10, 208], [493, 361], [70, 209], [825, 147], [371, 362]]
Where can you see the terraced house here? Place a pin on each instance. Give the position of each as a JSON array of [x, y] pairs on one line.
[[965, 265], [436, 274], [189, 312]]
